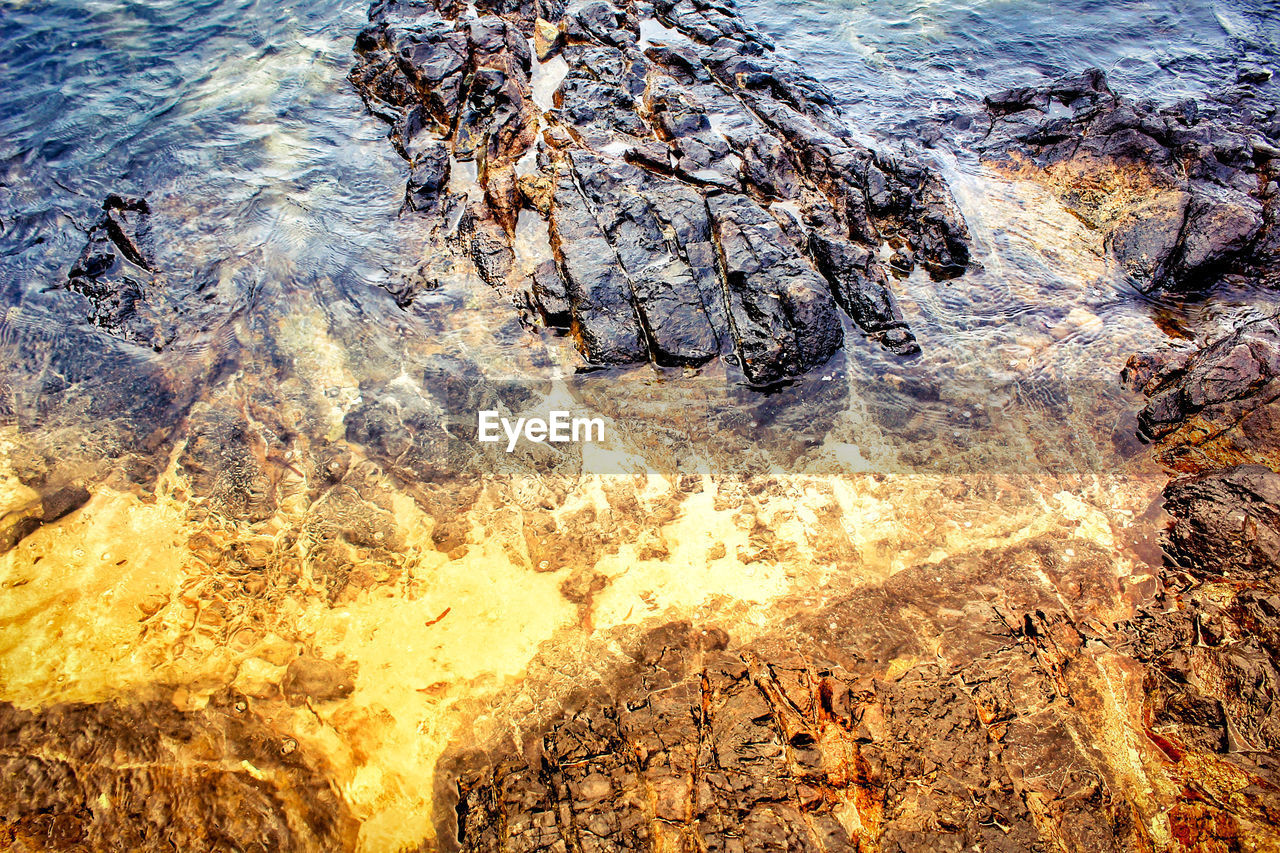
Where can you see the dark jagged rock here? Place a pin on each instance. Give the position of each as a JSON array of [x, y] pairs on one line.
[[1215, 407], [652, 222], [1226, 523], [148, 776], [428, 176], [126, 221], [550, 296], [980, 709], [1185, 194], [1210, 643], [782, 312], [115, 272], [859, 286], [647, 145], [604, 319], [481, 238]]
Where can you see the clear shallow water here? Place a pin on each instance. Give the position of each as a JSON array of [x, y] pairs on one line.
[[234, 119], [276, 206], [892, 61], [237, 122]]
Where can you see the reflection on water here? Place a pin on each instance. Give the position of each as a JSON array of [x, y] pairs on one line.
[[297, 474]]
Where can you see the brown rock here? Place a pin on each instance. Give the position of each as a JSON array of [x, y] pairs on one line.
[[547, 39], [1179, 191], [976, 711], [313, 678], [116, 776]]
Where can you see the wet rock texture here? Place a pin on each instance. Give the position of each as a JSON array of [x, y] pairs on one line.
[[129, 282], [1027, 698], [116, 273], [1210, 641], [1186, 194], [700, 195], [1215, 406], [53, 503], [994, 702], [146, 776], [1187, 198]]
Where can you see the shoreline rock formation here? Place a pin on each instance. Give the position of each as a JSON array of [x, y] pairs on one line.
[[700, 197], [1187, 195], [1009, 700], [1215, 406], [1016, 699], [144, 775], [1211, 642], [698, 201], [1188, 199]]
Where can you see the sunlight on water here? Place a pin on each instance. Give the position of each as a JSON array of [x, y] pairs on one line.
[[377, 533]]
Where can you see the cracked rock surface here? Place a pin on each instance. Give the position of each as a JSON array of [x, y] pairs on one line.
[[700, 195], [1209, 641], [1023, 698], [1215, 406], [998, 701], [109, 776]]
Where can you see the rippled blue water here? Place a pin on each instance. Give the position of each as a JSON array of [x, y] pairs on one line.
[[892, 60], [233, 117], [270, 181]]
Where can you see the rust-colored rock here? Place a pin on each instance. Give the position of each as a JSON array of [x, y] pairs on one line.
[[1185, 194], [145, 776]]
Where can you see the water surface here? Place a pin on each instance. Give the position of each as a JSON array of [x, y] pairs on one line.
[[277, 203]]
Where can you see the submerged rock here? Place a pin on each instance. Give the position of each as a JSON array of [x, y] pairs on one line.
[[148, 776], [702, 196], [115, 272], [311, 678], [20, 522], [1185, 194]]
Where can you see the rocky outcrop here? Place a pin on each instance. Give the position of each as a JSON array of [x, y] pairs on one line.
[[1186, 195], [994, 702], [147, 776], [700, 194], [1032, 697], [1211, 648], [1211, 640], [1217, 406], [1226, 524]]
